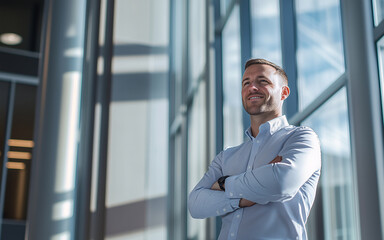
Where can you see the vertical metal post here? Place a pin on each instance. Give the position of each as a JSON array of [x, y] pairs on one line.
[[172, 115], [219, 91], [288, 47], [103, 99], [246, 46], [364, 112], [54, 207], [11, 103], [87, 115]]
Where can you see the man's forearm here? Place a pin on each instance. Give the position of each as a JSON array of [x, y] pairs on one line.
[[244, 202]]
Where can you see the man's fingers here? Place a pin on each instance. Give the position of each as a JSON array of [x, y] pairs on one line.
[[215, 186], [276, 160]]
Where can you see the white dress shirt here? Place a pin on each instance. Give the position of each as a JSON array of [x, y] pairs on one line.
[[283, 192]]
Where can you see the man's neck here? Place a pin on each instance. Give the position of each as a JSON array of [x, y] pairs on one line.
[[257, 120]]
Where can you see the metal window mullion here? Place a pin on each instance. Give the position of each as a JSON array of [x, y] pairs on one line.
[[320, 100], [245, 46], [11, 105], [23, 79], [365, 115], [288, 48]]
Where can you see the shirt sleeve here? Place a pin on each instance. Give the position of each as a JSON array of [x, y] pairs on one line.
[[278, 182], [204, 202]]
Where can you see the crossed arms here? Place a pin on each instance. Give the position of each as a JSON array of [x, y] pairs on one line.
[[274, 182]]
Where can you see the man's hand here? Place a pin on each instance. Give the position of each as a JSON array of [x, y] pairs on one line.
[[216, 186], [276, 160], [245, 203]]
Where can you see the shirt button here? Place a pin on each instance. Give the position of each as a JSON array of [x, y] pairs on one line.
[[232, 234], [231, 194], [238, 215], [240, 194], [249, 167], [258, 141], [224, 209]]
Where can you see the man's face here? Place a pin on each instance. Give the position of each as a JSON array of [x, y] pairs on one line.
[[263, 91]]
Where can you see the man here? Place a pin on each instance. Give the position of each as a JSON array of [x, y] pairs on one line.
[[265, 187]]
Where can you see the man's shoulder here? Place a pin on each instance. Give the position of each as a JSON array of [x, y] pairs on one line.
[[232, 149]]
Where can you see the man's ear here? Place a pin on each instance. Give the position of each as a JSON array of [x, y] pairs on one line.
[[285, 92]]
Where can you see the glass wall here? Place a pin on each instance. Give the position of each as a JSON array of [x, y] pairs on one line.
[[380, 54], [138, 137], [232, 74], [265, 23], [320, 54], [337, 184], [378, 10], [197, 154]]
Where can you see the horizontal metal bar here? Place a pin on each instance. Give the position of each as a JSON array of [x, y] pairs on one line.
[[320, 100], [20, 52], [11, 77]]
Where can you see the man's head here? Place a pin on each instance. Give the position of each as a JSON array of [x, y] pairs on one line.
[[279, 70], [264, 88]]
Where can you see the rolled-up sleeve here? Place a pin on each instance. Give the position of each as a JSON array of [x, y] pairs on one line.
[[277, 182], [204, 202]]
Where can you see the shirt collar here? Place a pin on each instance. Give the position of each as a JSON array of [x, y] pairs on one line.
[[272, 126]]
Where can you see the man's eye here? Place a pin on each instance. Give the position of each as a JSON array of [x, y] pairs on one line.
[[245, 83]]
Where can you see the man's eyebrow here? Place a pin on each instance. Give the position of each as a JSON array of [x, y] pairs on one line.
[[245, 79]]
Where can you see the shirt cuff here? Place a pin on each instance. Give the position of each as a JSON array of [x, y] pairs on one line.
[[235, 203], [230, 190]]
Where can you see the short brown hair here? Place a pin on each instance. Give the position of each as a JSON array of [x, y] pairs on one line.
[[279, 69]]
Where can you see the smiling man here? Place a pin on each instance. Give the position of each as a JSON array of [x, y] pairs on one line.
[[265, 187]]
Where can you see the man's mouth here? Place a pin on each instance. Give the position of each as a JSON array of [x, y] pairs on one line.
[[255, 97]]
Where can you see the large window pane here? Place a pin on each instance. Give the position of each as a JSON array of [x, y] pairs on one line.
[[378, 10], [320, 54], [380, 53], [233, 126], [336, 185], [266, 18], [224, 5], [197, 157], [20, 153], [197, 49]]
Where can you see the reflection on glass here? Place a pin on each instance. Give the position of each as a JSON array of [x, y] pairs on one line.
[[197, 158], [197, 49], [380, 53], [232, 106], [266, 40], [337, 187], [20, 153], [320, 55], [224, 4], [378, 11]]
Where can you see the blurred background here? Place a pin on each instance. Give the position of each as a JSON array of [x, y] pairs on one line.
[[111, 110]]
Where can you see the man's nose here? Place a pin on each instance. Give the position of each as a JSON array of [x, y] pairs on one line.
[[254, 87]]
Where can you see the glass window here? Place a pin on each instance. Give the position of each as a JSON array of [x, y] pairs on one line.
[[197, 157], [224, 4], [320, 56], [380, 53], [232, 106], [20, 153], [378, 11], [197, 40], [266, 18], [337, 188]]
